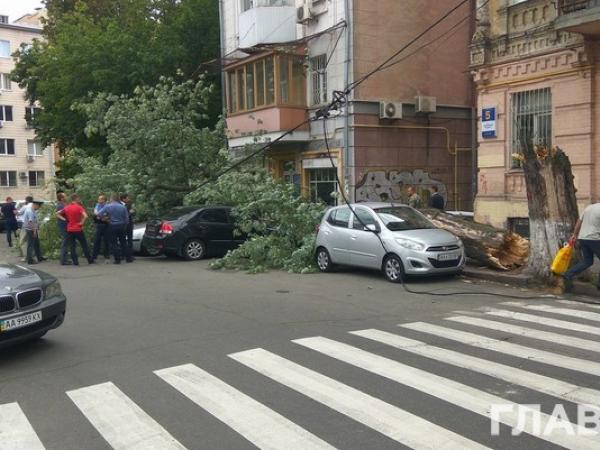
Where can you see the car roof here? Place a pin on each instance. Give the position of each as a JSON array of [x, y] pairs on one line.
[[374, 205]]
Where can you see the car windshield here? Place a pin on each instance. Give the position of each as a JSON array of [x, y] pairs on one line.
[[181, 211], [400, 218]]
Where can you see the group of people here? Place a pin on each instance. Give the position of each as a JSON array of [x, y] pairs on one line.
[[436, 200], [113, 222], [114, 228]]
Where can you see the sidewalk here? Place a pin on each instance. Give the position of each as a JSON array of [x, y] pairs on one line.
[[523, 280]]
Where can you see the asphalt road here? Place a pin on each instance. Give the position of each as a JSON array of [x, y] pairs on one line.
[[235, 377]]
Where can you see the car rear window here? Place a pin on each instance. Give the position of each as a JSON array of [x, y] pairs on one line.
[[176, 213], [400, 218]]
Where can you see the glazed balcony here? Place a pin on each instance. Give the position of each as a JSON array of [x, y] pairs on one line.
[[267, 22], [266, 96], [579, 16]]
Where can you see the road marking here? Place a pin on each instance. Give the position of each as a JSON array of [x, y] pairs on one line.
[[555, 323], [530, 333], [16, 433], [397, 424], [122, 423], [584, 305], [516, 350], [588, 315], [260, 425], [531, 380], [445, 389]]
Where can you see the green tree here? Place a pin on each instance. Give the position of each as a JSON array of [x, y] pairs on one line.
[[159, 149], [111, 46]]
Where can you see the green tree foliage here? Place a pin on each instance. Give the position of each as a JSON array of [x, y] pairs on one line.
[[279, 223], [159, 149], [111, 46]]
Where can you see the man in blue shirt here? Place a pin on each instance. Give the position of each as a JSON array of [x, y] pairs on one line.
[[117, 228]]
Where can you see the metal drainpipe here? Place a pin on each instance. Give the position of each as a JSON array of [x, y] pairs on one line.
[[222, 55], [347, 160]]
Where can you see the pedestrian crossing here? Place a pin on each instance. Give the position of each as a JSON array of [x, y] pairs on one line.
[[556, 343]]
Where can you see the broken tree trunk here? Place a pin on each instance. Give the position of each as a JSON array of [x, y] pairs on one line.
[[552, 205], [490, 246]]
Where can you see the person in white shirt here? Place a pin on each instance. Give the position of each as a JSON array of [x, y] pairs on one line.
[[22, 234], [587, 235]]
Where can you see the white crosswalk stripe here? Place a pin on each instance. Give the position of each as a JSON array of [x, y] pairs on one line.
[[16, 433], [445, 389], [579, 313], [508, 348], [389, 420], [584, 305], [122, 423], [260, 425], [530, 333], [531, 380], [554, 323]]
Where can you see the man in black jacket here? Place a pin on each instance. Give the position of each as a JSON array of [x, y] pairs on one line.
[[126, 201], [436, 200]]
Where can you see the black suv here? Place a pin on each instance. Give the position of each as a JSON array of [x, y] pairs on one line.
[[193, 232]]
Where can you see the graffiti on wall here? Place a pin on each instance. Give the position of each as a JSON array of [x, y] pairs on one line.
[[390, 185]]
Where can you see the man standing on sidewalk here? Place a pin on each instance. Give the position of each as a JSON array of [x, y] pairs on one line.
[[61, 200], [22, 233], [75, 216], [31, 228], [587, 234], [131, 212], [9, 212], [117, 228], [101, 238]]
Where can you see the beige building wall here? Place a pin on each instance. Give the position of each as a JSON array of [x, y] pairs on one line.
[[521, 51], [18, 129]]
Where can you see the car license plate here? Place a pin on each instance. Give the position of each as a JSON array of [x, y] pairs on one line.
[[448, 256], [19, 322]]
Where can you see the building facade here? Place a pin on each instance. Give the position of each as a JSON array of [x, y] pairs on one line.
[[26, 167], [535, 64], [411, 124]]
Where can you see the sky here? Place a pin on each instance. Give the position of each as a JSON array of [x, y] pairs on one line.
[[17, 8]]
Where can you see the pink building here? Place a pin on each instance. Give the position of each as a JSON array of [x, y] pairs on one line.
[[535, 64]]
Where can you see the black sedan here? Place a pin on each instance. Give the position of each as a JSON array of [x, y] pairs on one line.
[[31, 304], [193, 232]]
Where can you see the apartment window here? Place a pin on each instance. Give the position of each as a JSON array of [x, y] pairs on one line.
[[318, 76], [255, 84], [6, 113], [7, 146], [36, 178], [8, 178], [5, 83], [4, 49], [34, 148], [322, 184], [531, 113], [30, 113]]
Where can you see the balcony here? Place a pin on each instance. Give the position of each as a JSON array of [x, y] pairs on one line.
[[266, 22], [579, 16]]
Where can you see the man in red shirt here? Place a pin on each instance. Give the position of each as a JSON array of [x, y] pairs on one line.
[[75, 216]]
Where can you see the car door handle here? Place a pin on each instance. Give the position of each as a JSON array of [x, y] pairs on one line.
[[354, 237]]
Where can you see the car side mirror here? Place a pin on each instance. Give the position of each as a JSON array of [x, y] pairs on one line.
[[373, 227]]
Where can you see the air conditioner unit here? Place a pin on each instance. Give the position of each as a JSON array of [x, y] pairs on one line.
[[390, 110], [22, 175], [305, 12], [425, 105], [30, 158]]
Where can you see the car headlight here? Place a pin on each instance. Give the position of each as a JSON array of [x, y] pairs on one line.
[[53, 290], [412, 245]]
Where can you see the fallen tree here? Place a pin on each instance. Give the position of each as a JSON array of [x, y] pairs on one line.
[[489, 246]]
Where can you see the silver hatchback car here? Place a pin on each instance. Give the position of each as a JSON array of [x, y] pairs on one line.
[[393, 238]]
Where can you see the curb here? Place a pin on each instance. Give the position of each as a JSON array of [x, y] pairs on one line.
[[522, 280]]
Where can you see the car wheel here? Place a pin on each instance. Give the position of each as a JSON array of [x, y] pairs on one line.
[[194, 249], [393, 269], [323, 260]]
